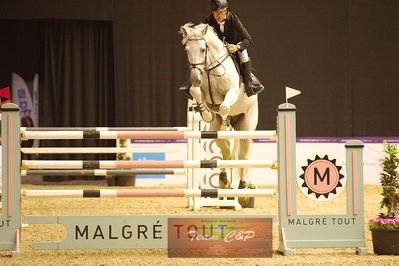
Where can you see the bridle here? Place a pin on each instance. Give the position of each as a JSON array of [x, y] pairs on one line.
[[208, 67]]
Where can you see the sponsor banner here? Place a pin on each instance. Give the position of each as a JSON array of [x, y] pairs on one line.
[[35, 100], [21, 95], [220, 237], [336, 139], [299, 140], [25, 98], [155, 141]]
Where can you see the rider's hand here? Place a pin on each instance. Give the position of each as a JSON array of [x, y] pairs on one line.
[[232, 48]]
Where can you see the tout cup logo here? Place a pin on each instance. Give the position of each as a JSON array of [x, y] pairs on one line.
[[227, 236], [321, 179]]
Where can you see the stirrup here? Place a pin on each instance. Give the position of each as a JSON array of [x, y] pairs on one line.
[[254, 90], [256, 86]]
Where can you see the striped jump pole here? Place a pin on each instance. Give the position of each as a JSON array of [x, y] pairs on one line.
[[103, 128], [97, 150], [88, 134], [131, 193], [103, 172], [109, 164]]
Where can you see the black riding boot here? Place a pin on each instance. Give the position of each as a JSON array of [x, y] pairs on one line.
[[247, 78], [251, 88]]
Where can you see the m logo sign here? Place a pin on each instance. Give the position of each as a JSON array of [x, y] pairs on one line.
[[321, 179]]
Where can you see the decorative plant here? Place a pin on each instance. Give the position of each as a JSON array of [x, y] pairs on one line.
[[251, 186], [123, 156], [121, 180], [389, 179]]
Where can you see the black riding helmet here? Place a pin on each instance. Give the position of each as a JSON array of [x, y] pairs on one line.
[[218, 5]]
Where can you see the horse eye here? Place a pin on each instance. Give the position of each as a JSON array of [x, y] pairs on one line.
[[202, 50]]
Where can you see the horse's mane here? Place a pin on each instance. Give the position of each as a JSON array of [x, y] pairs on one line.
[[190, 30]]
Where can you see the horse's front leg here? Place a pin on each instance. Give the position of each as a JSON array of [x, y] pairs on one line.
[[224, 109], [224, 146], [205, 113]]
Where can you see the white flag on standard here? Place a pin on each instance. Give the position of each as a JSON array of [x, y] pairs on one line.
[[289, 93]]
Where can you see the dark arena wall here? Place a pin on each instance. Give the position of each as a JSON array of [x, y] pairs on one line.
[[120, 62]]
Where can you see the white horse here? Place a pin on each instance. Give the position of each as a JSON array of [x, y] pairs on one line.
[[219, 92]]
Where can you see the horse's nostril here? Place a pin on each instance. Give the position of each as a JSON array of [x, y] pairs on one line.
[[195, 77]]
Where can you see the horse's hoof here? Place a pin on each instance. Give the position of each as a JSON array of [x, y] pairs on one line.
[[245, 202], [223, 182], [242, 184], [207, 116]]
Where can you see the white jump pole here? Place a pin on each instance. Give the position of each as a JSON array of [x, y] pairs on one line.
[[98, 150], [103, 129], [79, 164], [116, 193], [263, 134], [103, 172]]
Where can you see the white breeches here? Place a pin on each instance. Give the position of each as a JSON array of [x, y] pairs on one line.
[[244, 57]]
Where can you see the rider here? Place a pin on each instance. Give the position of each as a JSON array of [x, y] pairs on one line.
[[230, 29]]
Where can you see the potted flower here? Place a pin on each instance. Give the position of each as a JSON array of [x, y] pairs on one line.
[[122, 180], [385, 228]]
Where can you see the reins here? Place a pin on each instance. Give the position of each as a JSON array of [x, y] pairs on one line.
[[210, 67]]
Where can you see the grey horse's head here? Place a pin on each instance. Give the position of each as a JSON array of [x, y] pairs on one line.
[[195, 44]]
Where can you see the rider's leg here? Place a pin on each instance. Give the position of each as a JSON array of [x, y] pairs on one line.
[[251, 87], [246, 72]]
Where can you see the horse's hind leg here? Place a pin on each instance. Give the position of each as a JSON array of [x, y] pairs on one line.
[[206, 115], [224, 146], [248, 122]]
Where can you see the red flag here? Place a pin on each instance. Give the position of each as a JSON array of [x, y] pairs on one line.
[[5, 95]]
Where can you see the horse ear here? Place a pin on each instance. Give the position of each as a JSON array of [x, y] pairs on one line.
[[183, 31]]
